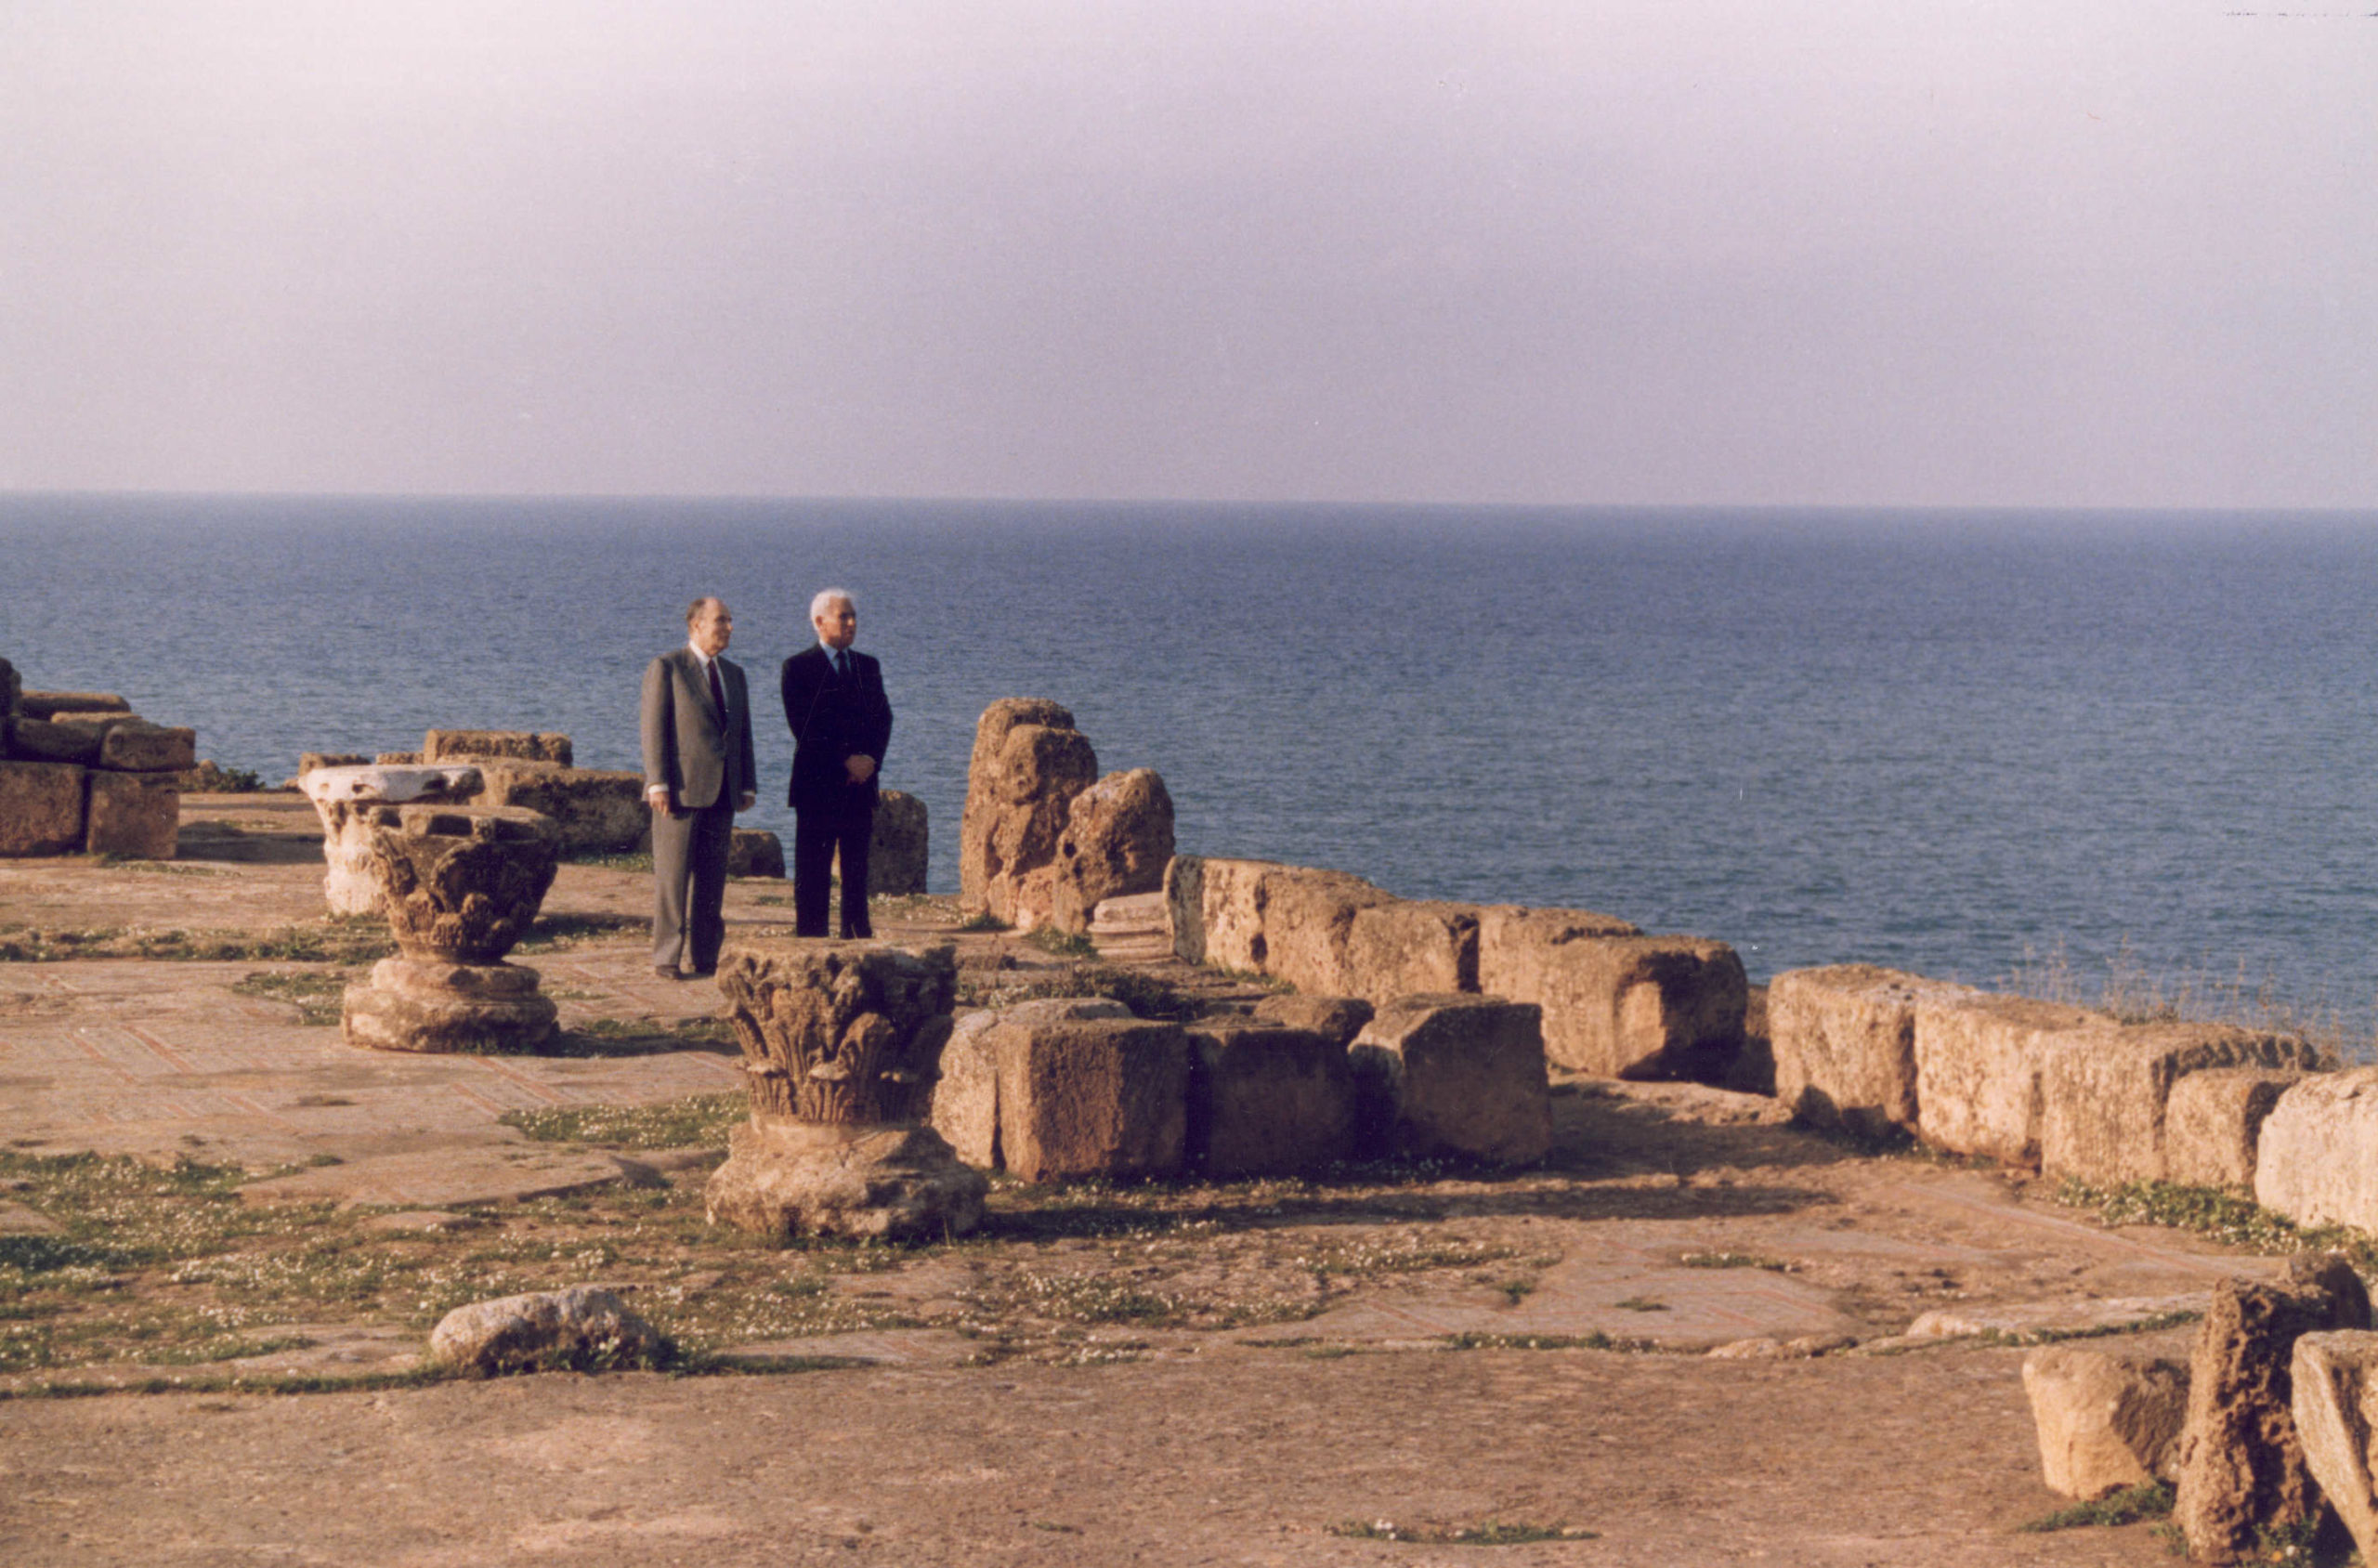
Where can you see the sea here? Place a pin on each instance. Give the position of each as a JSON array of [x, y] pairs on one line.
[[2123, 748]]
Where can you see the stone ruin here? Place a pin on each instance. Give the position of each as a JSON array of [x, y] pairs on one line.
[[1044, 838], [80, 773], [841, 1042], [460, 885]]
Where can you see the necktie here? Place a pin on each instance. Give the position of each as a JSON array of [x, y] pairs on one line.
[[717, 692], [841, 664]]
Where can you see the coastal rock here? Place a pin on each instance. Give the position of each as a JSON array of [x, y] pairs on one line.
[[2103, 1092], [137, 745], [754, 852], [1978, 1070], [437, 1007], [2335, 1407], [966, 1096], [1844, 1038], [2212, 1124], [899, 850], [1090, 1097], [2107, 1419], [868, 1183], [1117, 839], [134, 815], [1337, 1019], [2242, 1468], [1617, 1004], [2317, 1160], [1454, 1075], [1028, 764], [1408, 946], [579, 1329], [474, 745], [41, 808], [50, 704], [1264, 1100]]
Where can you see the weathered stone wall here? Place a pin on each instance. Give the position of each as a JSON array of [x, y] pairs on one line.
[[80, 773]]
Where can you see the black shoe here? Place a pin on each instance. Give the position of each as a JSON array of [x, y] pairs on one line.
[[701, 974]]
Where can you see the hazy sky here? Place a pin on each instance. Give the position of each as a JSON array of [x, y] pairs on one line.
[[2037, 253]]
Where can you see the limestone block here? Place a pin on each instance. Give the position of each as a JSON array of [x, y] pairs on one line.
[[1117, 839], [1844, 1040], [594, 811], [137, 816], [2212, 1124], [397, 759], [579, 1329], [1408, 946], [1231, 896], [2242, 1468], [307, 761], [2335, 1406], [1267, 1100], [1028, 763], [2316, 1161], [897, 851], [75, 740], [2107, 1419], [41, 807], [1092, 1097], [1338, 1018], [1184, 907], [1456, 1074], [49, 704], [138, 746], [839, 1031], [754, 852], [1616, 1004], [2103, 1090], [1978, 1070], [1308, 921], [966, 1096], [439, 1007], [870, 1182], [472, 745]]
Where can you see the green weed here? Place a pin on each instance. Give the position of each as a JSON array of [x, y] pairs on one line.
[[700, 1120], [2150, 1500], [2224, 1217]]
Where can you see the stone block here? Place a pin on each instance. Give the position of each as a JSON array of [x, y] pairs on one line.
[[754, 852], [1116, 840], [49, 704], [596, 811], [11, 691], [2103, 1090], [309, 762], [1978, 1070], [2212, 1125], [2242, 1468], [2107, 1419], [1028, 764], [899, 850], [2316, 1161], [1092, 1097], [428, 1005], [75, 740], [1844, 1038], [1340, 1018], [896, 1181], [476, 745], [397, 759], [134, 815], [966, 1096], [1308, 921], [1456, 1074], [1229, 914], [1267, 1100], [138, 746], [41, 807], [1408, 946], [1617, 1004], [2334, 1401]]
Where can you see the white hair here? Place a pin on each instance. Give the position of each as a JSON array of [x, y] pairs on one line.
[[826, 596]]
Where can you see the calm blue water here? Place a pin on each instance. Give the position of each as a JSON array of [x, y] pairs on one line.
[[1932, 740]]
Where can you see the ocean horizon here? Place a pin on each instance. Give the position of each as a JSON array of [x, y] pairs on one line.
[[1974, 744]]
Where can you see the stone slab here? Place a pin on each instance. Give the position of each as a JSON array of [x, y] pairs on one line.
[[135, 815], [438, 1177], [41, 808]]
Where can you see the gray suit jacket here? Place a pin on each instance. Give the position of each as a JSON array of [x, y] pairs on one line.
[[703, 755]]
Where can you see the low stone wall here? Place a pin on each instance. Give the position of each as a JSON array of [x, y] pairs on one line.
[[80, 773]]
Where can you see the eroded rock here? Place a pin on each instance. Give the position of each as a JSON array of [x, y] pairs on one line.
[[1116, 839], [1028, 764], [2103, 1093], [580, 1329], [2317, 1160], [2107, 1419]]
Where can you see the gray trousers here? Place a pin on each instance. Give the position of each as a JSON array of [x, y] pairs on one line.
[[690, 884]]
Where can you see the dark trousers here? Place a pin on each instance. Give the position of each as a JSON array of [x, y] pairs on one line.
[[690, 884], [816, 836]]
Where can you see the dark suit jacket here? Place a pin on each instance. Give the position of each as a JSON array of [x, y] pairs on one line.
[[832, 720], [703, 755]]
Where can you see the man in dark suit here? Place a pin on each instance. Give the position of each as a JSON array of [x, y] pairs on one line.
[[841, 722], [696, 720]]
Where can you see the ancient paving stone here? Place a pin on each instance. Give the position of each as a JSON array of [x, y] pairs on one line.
[[1266, 1100], [2212, 1124], [1092, 1097], [1456, 1074], [1978, 1070], [582, 1328], [2103, 1092], [2317, 1160], [2107, 1419]]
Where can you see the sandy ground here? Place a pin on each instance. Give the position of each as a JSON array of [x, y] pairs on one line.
[[1253, 1445]]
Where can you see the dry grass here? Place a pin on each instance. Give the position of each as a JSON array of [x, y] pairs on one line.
[[2133, 993]]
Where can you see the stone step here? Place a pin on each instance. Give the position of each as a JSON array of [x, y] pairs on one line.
[[1129, 913]]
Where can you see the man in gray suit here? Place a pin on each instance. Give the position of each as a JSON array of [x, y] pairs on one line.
[[698, 774]]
